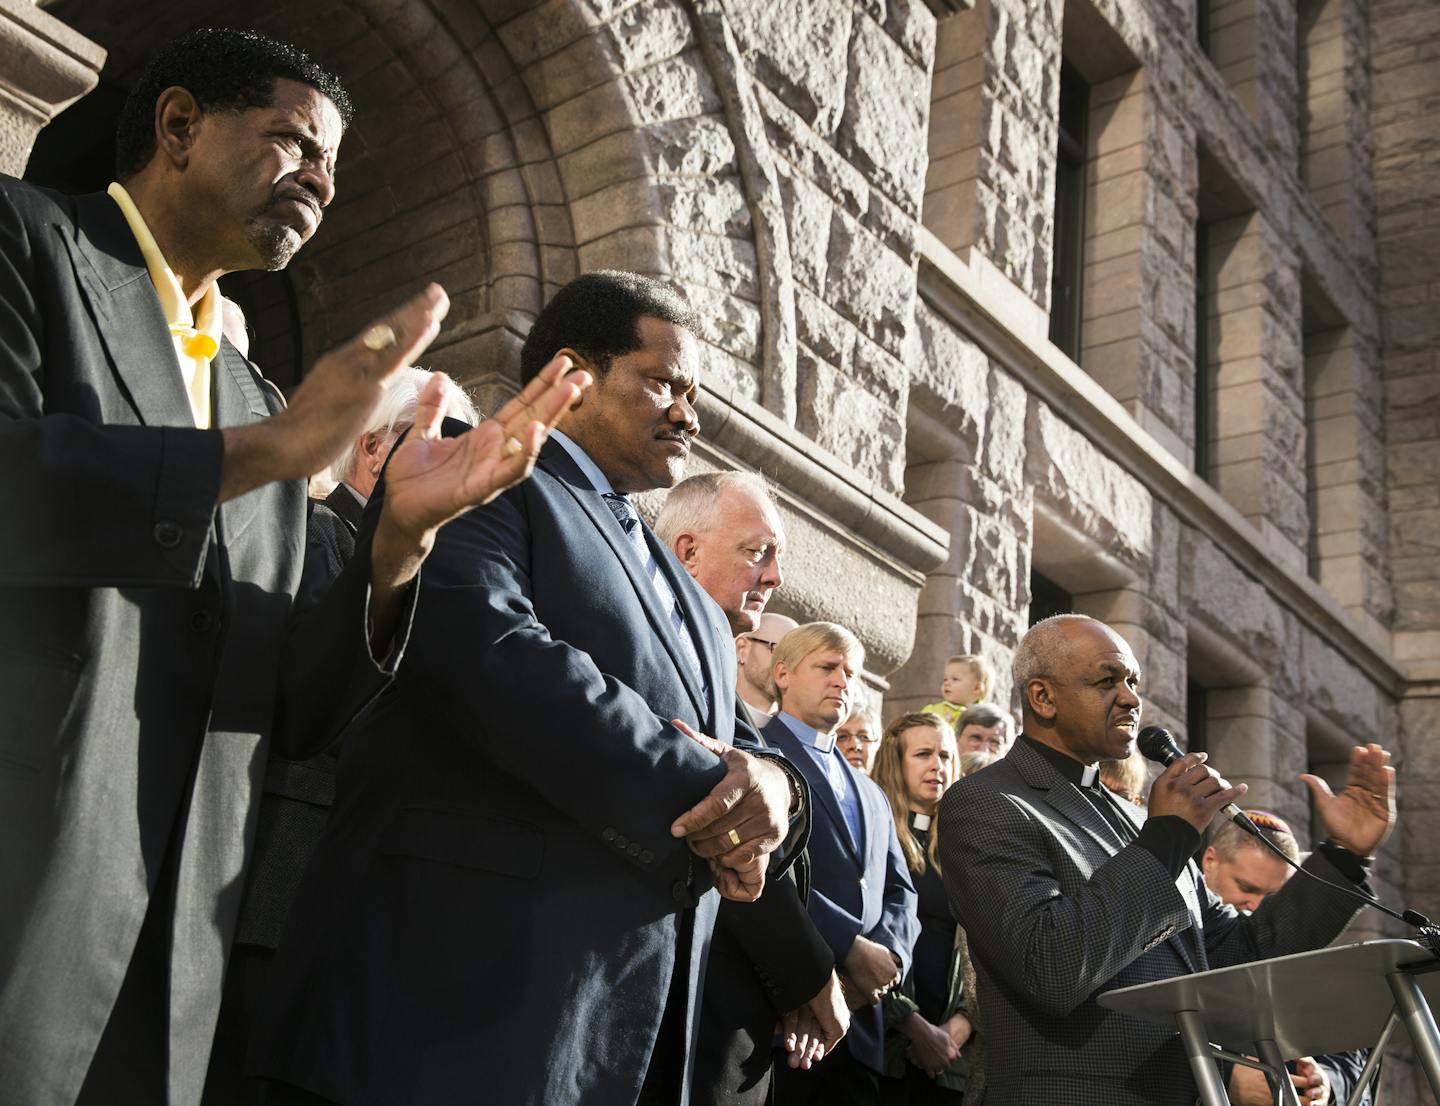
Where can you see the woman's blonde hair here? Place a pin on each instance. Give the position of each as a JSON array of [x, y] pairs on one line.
[[889, 773]]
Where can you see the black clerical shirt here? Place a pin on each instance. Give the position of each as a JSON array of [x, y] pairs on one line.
[[1169, 838]]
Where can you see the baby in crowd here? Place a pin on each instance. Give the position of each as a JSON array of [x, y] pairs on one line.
[[969, 679]]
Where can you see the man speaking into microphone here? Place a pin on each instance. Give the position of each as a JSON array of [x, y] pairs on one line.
[[1066, 892]]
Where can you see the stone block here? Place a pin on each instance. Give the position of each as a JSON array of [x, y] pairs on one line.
[[648, 32], [808, 214], [871, 285], [798, 50], [677, 88], [543, 30], [955, 374], [882, 129]]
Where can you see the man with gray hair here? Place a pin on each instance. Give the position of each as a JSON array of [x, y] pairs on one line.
[[724, 528], [768, 961], [985, 728], [1066, 891], [297, 795]]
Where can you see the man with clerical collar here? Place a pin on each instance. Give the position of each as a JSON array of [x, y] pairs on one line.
[[1066, 891], [861, 898], [154, 507]]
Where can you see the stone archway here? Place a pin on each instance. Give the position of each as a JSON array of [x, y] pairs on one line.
[[448, 173]]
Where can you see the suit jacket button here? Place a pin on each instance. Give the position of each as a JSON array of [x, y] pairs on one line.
[[679, 892], [168, 534], [621, 840], [634, 849], [201, 621], [607, 834], [646, 856]]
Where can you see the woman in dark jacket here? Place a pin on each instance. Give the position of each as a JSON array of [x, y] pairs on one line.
[[925, 1018]]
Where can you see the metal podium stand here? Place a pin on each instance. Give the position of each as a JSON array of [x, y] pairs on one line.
[[1307, 1004]]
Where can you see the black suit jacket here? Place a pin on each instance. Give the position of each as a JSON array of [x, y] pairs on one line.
[[143, 638], [296, 795], [766, 960], [1058, 910], [495, 906]]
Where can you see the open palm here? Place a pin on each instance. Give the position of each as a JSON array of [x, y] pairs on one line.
[[431, 479]]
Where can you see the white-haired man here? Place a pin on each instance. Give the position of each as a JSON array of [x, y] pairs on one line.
[[767, 960], [297, 795], [726, 531]]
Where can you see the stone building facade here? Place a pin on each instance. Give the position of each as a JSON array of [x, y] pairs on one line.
[[1125, 306]]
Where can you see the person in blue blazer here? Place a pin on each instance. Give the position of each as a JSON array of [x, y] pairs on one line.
[[861, 897], [513, 898]]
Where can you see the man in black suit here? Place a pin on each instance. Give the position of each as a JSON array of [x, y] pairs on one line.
[[511, 902], [296, 795], [154, 511], [1066, 891], [768, 964]]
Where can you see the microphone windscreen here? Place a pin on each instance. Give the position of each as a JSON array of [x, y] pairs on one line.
[[1155, 743]]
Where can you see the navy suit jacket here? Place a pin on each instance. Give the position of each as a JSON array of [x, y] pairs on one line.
[[493, 912], [854, 893]]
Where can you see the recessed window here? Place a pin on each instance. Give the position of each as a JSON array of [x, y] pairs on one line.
[[1068, 270]]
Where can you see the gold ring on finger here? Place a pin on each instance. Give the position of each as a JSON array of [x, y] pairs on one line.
[[379, 337], [734, 838], [512, 446]]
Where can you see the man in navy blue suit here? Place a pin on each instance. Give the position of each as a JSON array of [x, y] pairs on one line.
[[861, 897], [512, 900]]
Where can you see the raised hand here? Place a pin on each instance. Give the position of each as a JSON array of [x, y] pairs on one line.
[[333, 402], [430, 479], [1363, 814], [1191, 790], [745, 816]]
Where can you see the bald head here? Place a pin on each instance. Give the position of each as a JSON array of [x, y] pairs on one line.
[[1079, 686], [754, 657]]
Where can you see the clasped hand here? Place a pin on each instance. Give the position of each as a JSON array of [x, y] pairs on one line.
[[751, 806]]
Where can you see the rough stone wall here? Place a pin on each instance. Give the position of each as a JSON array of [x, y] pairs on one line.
[[992, 180], [1405, 57], [48, 67]]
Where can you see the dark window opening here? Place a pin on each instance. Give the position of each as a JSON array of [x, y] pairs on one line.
[[1197, 717], [1068, 269], [1204, 375], [1048, 598]]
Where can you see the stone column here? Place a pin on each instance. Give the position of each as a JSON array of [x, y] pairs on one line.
[[1256, 353], [46, 68]]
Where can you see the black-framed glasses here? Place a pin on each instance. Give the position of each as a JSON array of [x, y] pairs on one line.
[[761, 641]]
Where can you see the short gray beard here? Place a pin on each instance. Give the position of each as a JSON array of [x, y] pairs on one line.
[[274, 244]]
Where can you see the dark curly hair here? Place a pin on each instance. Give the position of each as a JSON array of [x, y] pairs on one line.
[[225, 70], [598, 315]]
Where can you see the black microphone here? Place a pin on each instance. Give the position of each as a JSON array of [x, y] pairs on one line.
[[1156, 743]]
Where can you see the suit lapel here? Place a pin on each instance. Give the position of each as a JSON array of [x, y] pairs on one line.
[[780, 736], [132, 327], [1065, 798], [557, 462], [700, 613], [347, 508]]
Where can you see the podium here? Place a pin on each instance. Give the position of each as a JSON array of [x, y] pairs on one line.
[[1308, 1004]]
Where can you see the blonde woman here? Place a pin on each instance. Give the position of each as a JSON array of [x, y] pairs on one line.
[[926, 1021]]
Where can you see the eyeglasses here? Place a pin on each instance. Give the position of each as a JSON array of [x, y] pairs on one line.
[[761, 641], [862, 737]]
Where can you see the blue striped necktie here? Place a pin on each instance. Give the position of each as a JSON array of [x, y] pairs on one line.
[[629, 521]]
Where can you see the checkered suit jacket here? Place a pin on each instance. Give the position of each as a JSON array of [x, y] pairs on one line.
[[1057, 910]]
